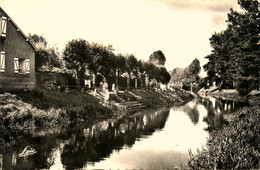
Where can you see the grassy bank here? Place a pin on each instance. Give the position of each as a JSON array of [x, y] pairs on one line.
[[79, 106], [16, 115], [153, 99], [236, 146], [45, 110]]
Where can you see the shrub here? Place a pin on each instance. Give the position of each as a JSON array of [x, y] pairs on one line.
[[236, 146], [20, 116], [243, 86]]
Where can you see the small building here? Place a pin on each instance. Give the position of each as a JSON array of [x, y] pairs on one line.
[[17, 56]]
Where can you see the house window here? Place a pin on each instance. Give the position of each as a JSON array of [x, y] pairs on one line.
[[21, 66], [2, 61], [27, 66], [3, 26]]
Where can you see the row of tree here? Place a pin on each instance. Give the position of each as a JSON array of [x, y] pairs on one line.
[[235, 60], [88, 60], [190, 74]]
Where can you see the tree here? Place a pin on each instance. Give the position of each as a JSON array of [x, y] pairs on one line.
[[131, 66], [45, 58], [177, 74], [165, 76], [120, 67], [152, 71], [141, 66], [38, 40], [157, 58], [245, 57], [102, 61], [194, 69], [235, 55], [77, 57]]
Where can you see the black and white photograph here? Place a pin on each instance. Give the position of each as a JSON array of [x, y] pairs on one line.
[[129, 84]]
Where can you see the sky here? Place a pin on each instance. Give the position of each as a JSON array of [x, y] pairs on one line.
[[179, 28]]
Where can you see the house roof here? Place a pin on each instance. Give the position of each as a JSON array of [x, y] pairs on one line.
[[18, 29]]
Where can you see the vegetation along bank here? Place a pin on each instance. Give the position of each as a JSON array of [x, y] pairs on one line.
[[46, 110], [233, 73]]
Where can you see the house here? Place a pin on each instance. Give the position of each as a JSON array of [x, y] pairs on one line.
[[17, 56]]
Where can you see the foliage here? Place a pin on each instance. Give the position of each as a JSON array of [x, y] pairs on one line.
[[76, 105], [244, 86], [188, 74], [236, 146], [177, 74], [88, 60], [157, 58], [131, 64], [153, 99], [120, 67], [77, 57], [131, 67], [89, 112], [165, 76], [45, 58], [194, 68], [38, 40], [102, 59], [20, 116], [120, 61], [236, 50]]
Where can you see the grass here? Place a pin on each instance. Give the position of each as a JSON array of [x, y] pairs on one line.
[[20, 116], [154, 99], [46, 109], [45, 99], [236, 146], [79, 106]]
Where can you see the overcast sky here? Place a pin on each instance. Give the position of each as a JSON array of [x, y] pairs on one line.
[[179, 28]]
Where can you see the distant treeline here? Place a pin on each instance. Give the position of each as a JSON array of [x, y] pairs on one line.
[[90, 61]]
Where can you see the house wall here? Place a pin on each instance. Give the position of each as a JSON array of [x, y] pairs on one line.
[[16, 46]]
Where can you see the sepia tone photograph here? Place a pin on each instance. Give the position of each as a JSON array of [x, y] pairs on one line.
[[129, 84]]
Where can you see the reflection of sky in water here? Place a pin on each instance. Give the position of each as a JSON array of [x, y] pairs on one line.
[[166, 148], [150, 139]]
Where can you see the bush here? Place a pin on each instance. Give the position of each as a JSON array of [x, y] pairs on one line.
[[243, 86], [236, 146], [88, 112]]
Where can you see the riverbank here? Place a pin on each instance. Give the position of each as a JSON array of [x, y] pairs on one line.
[[42, 109], [253, 98], [236, 146]]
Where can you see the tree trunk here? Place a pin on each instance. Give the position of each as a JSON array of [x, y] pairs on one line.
[[146, 81], [135, 83], [94, 80], [117, 85], [117, 77], [128, 81]]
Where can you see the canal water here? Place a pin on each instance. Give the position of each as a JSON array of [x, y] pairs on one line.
[[150, 139]]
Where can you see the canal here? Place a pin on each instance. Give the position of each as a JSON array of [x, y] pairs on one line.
[[150, 139]]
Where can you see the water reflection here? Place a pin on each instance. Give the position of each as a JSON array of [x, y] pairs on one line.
[[143, 140], [215, 109], [93, 144]]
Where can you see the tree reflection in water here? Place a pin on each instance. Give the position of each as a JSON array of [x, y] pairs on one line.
[[93, 144], [215, 108], [78, 147]]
